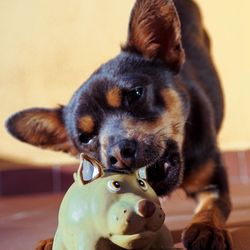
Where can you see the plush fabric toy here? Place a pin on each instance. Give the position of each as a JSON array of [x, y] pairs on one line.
[[105, 210]]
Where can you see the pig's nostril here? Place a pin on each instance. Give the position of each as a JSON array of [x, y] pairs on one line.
[[146, 208], [125, 211], [112, 160]]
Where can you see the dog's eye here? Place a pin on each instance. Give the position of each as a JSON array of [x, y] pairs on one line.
[[84, 138], [134, 95]]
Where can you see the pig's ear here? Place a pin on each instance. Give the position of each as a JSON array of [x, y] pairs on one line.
[[89, 170], [155, 32], [142, 173], [42, 128]]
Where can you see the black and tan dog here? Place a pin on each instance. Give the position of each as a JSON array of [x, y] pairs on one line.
[[158, 104]]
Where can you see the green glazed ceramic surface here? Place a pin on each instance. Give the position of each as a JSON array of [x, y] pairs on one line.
[[109, 210]]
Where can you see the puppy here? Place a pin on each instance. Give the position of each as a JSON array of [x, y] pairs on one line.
[[157, 104]]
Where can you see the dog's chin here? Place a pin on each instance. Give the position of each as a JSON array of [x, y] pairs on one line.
[[166, 173]]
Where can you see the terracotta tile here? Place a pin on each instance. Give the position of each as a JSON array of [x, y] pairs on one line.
[[67, 176], [56, 179], [11, 165], [242, 158], [232, 164], [248, 163], [1, 184], [26, 181], [25, 220]]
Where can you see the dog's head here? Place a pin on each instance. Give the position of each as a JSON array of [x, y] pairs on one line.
[[131, 112]]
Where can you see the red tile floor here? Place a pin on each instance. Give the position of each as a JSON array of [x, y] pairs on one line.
[[30, 197]]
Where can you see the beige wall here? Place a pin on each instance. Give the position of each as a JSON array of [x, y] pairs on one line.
[[48, 48]]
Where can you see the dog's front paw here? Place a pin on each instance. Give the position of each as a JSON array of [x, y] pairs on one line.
[[201, 236], [44, 244]]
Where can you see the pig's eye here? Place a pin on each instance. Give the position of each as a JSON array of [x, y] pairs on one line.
[[142, 184], [114, 186]]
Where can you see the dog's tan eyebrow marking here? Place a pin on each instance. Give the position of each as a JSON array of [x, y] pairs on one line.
[[86, 123], [114, 97]]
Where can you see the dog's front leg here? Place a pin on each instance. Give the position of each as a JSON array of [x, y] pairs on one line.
[[206, 231], [210, 189]]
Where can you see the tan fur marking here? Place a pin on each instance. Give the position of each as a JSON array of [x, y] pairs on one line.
[[113, 97], [44, 129], [205, 201], [174, 117], [207, 211], [156, 37], [44, 244], [37, 128], [172, 101], [170, 125], [104, 146], [86, 124], [198, 179]]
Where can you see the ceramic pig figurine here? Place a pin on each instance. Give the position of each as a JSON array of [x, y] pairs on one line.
[[108, 211]]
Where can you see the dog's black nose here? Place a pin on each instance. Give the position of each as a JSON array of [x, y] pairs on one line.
[[122, 154]]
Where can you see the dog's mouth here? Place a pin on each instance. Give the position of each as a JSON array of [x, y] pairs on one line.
[[165, 173], [163, 167]]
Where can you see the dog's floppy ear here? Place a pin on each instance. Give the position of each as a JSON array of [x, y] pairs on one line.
[[41, 127], [155, 32]]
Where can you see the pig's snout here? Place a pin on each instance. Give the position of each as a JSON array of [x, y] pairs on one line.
[[145, 208], [139, 216]]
